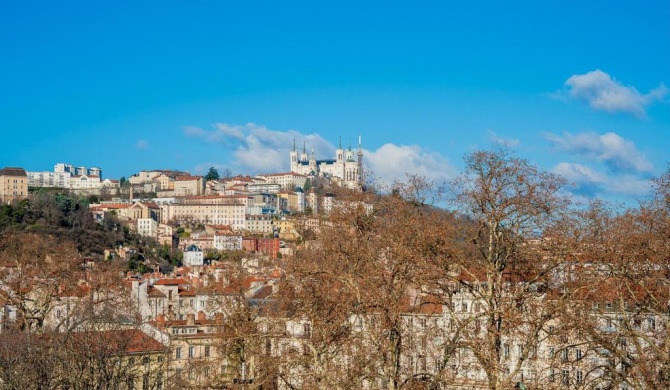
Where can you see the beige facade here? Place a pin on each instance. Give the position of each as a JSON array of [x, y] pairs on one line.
[[189, 186], [261, 224], [287, 181], [84, 181], [218, 214], [295, 200], [13, 184]]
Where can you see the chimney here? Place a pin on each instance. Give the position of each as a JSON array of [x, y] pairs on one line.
[[201, 316], [160, 319], [190, 319]]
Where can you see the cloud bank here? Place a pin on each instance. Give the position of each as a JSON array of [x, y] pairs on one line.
[[603, 92], [626, 170], [618, 155], [257, 149]]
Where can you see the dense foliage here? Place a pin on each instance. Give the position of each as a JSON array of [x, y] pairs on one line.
[[63, 216]]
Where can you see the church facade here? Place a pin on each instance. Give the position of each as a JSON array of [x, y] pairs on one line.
[[346, 169]]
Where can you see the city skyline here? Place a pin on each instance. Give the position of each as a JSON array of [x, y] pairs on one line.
[[578, 89]]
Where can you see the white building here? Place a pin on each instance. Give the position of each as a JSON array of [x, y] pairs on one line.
[[147, 227], [228, 242], [49, 179], [193, 256], [67, 176]]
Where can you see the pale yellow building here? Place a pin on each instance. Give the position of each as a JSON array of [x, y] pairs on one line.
[[189, 186], [13, 184]]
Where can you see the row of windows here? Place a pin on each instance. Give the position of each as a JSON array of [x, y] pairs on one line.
[[191, 352], [565, 376]]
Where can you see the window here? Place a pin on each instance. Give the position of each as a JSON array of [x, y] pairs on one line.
[[423, 322], [506, 350], [191, 351], [422, 363], [580, 376], [552, 352], [177, 353], [651, 323], [564, 355], [207, 350], [464, 307], [307, 329], [578, 353], [566, 377], [552, 375]]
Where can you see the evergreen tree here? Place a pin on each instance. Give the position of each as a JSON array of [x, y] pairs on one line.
[[213, 174]]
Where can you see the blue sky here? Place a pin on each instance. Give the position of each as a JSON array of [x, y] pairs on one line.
[[578, 88]]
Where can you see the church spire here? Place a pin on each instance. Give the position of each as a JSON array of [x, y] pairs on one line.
[[294, 144], [304, 149], [340, 143]]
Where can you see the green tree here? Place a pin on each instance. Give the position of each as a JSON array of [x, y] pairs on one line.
[[213, 174]]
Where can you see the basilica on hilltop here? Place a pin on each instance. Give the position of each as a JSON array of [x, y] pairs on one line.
[[346, 169]]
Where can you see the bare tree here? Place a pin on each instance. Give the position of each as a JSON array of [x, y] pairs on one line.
[[500, 273]]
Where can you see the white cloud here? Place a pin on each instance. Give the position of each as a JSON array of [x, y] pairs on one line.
[[392, 162], [142, 144], [602, 92], [590, 183], [617, 153], [509, 142], [257, 149], [578, 173]]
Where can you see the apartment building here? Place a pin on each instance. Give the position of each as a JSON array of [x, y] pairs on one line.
[[287, 180], [187, 185], [206, 213], [13, 184]]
